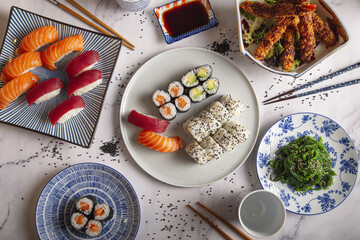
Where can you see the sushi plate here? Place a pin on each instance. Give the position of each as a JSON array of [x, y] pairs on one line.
[[107, 185], [343, 155], [80, 129], [178, 168]]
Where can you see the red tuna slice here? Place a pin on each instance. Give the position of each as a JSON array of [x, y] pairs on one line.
[[82, 63], [67, 109], [44, 91], [147, 122], [84, 82]]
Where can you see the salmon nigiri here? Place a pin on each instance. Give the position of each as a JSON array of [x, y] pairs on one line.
[[13, 89], [37, 38], [59, 49], [20, 65], [159, 143]]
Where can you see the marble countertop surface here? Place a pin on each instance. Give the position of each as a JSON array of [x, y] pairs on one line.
[[29, 160]]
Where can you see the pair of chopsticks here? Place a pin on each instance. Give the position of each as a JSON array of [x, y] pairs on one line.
[[221, 219], [125, 41], [321, 79]]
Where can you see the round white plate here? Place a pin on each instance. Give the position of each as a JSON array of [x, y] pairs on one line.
[[178, 168], [343, 157]]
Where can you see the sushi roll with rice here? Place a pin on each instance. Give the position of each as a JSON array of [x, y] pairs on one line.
[[84, 82], [78, 221], [93, 228], [211, 86], [85, 205], [66, 110], [234, 106], [197, 128], [206, 117], [203, 72], [44, 91], [168, 111], [103, 212], [175, 89], [197, 94], [225, 139], [212, 148], [190, 80], [160, 97], [237, 130], [219, 112], [183, 103], [197, 153]]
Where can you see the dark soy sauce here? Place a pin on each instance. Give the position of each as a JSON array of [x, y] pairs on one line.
[[184, 18]]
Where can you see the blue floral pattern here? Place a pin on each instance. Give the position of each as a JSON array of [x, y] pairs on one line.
[[343, 158]]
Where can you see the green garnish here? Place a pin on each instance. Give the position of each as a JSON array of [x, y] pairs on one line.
[[191, 79]]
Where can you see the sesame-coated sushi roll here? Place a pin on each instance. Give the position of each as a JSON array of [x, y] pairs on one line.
[[44, 91], [93, 228], [168, 111], [211, 85], [206, 117], [85, 205], [197, 128], [203, 72], [78, 221], [234, 106], [219, 112], [237, 130], [103, 212], [160, 97], [197, 152], [197, 94], [212, 148], [183, 103], [225, 139], [190, 80], [175, 89]]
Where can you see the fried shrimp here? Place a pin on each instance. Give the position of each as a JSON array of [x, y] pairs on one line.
[[323, 31], [288, 56], [307, 37]]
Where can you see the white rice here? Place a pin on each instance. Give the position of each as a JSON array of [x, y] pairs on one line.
[[69, 115], [87, 88], [48, 96]]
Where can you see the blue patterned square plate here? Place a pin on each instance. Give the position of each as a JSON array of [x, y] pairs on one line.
[[343, 154], [81, 128], [56, 202]]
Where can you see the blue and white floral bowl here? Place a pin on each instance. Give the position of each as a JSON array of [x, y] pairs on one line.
[[343, 154]]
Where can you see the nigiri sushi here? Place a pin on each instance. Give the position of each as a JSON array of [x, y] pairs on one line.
[[13, 89], [147, 122], [58, 50], [44, 91], [67, 109], [37, 38], [21, 64], [159, 143], [81, 63], [84, 82]]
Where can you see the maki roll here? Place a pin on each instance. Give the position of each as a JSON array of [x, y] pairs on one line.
[[160, 97], [219, 112], [168, 111], [197, 153], [211, 85], [225, 139], [212, 148], [197, 94], [78, 221], [237, 130], [102, 212], [183, 103], [175, 89], [203, 72], [85, 205], [190, 80], [93, 228], [210, 120], [197, 128], [234, 106]]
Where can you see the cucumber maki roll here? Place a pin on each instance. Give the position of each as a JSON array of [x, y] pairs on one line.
[[103, 212], [183, 103], [85, 205], [93, 228], [190, 80], [160, 97], [168, 111], [176, 89], [78, 221], [197, 94], [203, 72], [211, 85]]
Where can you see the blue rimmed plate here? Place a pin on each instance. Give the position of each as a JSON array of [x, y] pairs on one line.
[[343, 154], [56, 202], [81, 128]]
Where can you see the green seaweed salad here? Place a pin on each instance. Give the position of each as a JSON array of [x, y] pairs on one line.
[[304, 164]]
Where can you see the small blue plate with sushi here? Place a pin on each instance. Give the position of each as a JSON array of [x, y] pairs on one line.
[[57, 202]]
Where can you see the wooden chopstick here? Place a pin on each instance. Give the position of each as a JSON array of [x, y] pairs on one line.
[[211, 223], [99, 21], [225, 221]]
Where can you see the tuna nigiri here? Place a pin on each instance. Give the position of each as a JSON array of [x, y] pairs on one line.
[[66, 110], [147, 122], [84, 82], [81, 63], [20, 65], [159, 143], [58, 50], [44, 91], [37, 38], [13, 89]]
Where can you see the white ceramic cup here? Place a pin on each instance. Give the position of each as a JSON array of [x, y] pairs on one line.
[[133, 5], [262, 213]]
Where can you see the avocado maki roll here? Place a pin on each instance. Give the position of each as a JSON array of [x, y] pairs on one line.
[[203, 72], [211, 85], [190, 80], [197, 94]]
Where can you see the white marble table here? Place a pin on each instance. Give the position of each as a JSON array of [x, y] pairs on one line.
[[29, 160]]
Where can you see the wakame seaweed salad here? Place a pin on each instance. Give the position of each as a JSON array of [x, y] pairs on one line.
[[304, 164]]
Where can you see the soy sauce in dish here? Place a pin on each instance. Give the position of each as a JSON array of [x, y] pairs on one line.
[[185, 17]]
